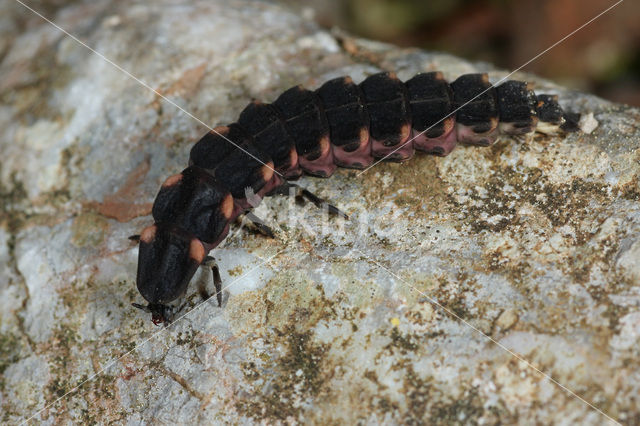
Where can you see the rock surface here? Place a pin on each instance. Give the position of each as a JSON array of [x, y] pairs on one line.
[[535, 244]]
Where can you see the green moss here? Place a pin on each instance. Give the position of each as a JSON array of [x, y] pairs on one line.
[[385, 405], [631, 191], [298, 301], [44, 80], [404, 342], [460, 411], [89, 230], [560, 203], [9, 350], [188, 339], [293, 308], [426, 403], [13, 194], [12, 198], [371, 375], [613, 313], [418, 394], [297, 377], [454, 300], [57, 388], [305, 356]]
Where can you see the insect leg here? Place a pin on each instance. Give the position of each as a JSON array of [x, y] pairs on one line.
[[302, 194], [256, 224], [209, 261], [135, 238]]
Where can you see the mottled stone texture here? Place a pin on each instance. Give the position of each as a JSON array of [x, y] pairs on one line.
[[536, 243]]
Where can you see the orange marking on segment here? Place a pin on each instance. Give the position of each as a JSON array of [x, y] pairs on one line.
[[148, 234], [267, 171], [196, 250], [348, 80], [226, 207], [293, 156], [439, 76], [393, 76], [405, 131], [223, 130], [485, 77], [325, 145], [364, 135], [172, 180], [448, 124]]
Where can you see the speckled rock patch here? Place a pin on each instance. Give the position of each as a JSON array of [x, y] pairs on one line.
[[534, 243]]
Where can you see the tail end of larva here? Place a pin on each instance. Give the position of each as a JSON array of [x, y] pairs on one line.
[[571, 122]]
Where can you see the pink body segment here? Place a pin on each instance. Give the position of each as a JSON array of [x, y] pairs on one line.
[[465, 134], [397, 153], [441, 145], [241, 205], [293, 170], [511, 129], [402, 151], [359, 159], [323, 166]]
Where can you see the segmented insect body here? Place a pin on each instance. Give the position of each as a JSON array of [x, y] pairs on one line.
[[340, 124]]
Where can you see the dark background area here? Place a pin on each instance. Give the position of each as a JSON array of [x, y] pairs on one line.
[[602, 58]]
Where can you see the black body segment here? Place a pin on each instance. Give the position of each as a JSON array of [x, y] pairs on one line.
[[477, 109], [234, 168], [517, 107], [340, 124], [389, 115], [550, 114], [548, 109], [267, 127], [347, 115], [193, 200], [430, 99], [168, 257], [475, 99], [306, 121], [552, 118], [431, 102], [348, 120], [212, 149]]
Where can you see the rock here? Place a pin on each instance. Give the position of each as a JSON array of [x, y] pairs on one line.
[[507, 319], [534, 243]]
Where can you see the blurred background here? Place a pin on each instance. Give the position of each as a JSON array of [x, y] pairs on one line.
[[603, 58]]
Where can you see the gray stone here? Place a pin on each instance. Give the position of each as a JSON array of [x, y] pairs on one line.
[[533, 243]]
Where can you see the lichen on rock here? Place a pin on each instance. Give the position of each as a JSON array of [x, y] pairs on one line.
[[534, 243]]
